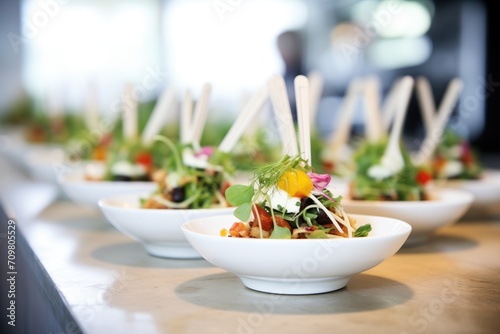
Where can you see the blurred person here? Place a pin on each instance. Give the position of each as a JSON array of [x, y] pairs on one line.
[[291, 48]]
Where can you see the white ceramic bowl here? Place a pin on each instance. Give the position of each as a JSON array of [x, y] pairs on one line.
[[88, 193], [445, 207], [158, 230], [13, 144], [42, 164], [486, 190], [21, 152], [296, 266]]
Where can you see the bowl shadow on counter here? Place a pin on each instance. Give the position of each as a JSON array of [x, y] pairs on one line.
[[97, 224], [133, 254], [226, 292], [76, 217], [440, 243], [481, 213]]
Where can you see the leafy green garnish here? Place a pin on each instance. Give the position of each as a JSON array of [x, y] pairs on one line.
[[471, 168], [266, 177], [174, 150], [363, 231], [193, 188], [222, 159], [402, 186], [318, 234], [243, 211], [313, 210], [239, 194], [280, 233], [309, 216]]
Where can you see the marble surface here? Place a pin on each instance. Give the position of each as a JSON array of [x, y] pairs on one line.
[[110, 285]]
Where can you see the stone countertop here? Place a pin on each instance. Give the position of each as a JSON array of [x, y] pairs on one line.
[[105, 282]]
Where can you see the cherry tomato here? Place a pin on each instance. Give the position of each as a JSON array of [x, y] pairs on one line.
[[266, 220], [106, 139], [144, 159], [423, 177]]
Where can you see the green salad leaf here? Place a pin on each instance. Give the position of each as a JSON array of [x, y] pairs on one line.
[[318, 234], [280, 233], [243, 211], [446, 152], [363, 231], [402, 186], [315, 215], [239, 194]]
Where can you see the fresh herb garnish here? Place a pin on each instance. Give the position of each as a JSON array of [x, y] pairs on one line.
[[363, 231], [318, 234], [278, 231], [315, 207], [267, 176], [240, 196], [402, 186]]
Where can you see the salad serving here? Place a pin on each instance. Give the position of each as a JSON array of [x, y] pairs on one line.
[[285, 200], [379, 183], [126, 161], [53, 129], [454, 159], [118, 156], [342, 165], [190, 181]]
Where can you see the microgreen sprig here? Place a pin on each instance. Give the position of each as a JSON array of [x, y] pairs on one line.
[[175, 152], [278, 231], [265, 178], [241, 196]]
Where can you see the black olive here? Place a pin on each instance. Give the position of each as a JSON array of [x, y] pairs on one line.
[[178, 194], [122, 178], [323, 218], [143, 178], [304, 202]]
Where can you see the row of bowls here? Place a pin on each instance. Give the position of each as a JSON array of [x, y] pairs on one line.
[[273, 266], [279, 266]]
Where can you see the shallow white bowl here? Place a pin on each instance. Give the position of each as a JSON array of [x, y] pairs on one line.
[[296, 266], [445, 207], [18, 150], [43, 163], [158, 230], [88, 193], [13, 144], [486, 191]]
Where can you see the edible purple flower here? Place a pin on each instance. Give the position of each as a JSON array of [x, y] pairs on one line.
[[320, 181], [205, 151]]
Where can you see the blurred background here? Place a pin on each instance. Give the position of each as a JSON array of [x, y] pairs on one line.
[[57, 52]]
